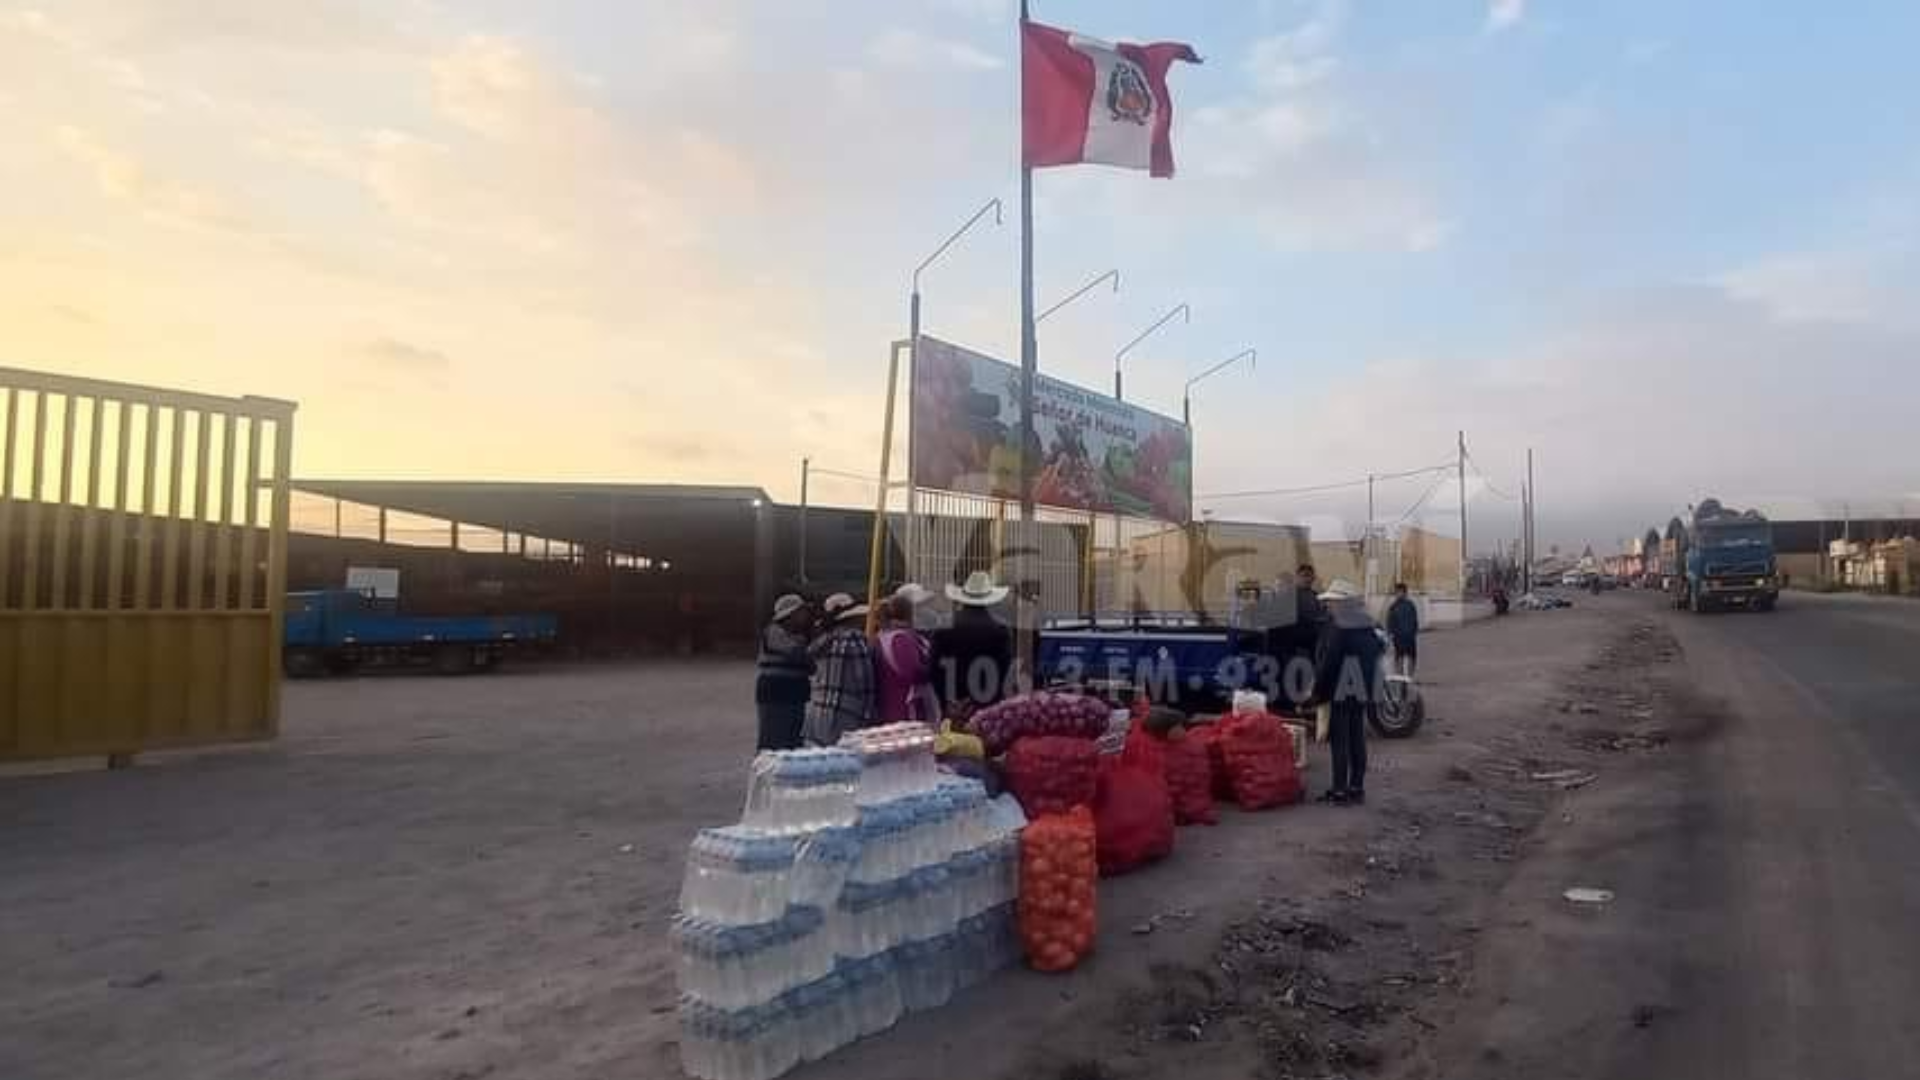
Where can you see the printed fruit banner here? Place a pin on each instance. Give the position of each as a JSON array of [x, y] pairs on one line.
[[1095, 453]]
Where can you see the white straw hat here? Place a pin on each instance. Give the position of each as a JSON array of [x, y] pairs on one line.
[[978, 591], [1341, 589], [913, 593], [840, 607], [786, 606]]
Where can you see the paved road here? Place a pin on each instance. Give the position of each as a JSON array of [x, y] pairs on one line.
[[1767, 865]]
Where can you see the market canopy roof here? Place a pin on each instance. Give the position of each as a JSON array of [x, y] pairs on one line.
[[670, 521]]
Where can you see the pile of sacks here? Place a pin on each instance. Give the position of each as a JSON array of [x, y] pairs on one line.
[[861, 884]]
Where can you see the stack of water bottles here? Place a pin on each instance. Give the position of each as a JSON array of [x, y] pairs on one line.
[[861, 884]]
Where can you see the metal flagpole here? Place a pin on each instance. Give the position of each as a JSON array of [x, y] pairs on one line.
[[1024, 603]]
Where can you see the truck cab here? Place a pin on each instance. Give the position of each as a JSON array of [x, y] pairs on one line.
[[1729, 561]]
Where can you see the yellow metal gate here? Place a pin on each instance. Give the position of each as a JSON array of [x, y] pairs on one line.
[[143, 540]]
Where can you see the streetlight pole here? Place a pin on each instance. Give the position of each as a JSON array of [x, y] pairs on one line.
[[1180, 309], [1113, 275], [913, 359], [1252, 356], [806, 470]]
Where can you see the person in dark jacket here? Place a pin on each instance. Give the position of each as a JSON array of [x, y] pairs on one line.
[[973, 658], [1292, 642], [1403, 628], [1347, 679], [785, 673]]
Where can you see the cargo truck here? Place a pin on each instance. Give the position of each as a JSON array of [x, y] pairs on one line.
[[337, 631], [1720, 558]]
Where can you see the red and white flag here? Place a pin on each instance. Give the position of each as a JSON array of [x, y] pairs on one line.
[[1086, 100]]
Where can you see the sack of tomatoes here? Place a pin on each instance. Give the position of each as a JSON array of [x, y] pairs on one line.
[[1058, 873], [1052, 774]]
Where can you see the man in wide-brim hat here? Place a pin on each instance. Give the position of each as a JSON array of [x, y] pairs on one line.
[[1346, 679], [973, 658]]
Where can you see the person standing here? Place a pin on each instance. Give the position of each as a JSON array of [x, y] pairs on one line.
[[973, 658], [1403, 627], [843, 697], [1347, 679], [904, 661], [785, 673], [1299, 639]]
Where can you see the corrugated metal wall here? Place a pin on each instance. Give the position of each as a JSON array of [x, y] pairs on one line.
[[142, 566]]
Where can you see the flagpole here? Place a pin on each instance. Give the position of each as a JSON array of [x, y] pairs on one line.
[[1025, 604]]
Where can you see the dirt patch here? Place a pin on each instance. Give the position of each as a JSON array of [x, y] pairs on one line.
[[1356, 976]]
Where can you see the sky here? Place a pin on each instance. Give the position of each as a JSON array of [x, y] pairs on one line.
[[1675, 249]]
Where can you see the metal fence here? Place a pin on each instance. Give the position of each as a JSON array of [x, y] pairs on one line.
[[142, 566], [1096, 564]]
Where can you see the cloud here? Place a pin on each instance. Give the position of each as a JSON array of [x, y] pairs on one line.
[[990, 11], [122, 177], [396, 355], [1311, 177], [302, 26], [903, 48], [1850, 286], [1298, 159], [673, 449], [1302, 56], [1576, 391], [1505, 14]]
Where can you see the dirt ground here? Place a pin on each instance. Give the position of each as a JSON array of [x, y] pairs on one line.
[[465, 878]]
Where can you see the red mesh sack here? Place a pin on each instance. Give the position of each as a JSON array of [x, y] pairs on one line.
[[1132, 818], [1208, 735], [1258, 753], [1058, 873], [1188, 767], [1052, 774]]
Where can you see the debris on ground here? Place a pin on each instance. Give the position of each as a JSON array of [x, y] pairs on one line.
[[1581, 894]]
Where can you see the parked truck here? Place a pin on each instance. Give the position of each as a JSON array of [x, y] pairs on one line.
[[1721, 558], [336, 631]]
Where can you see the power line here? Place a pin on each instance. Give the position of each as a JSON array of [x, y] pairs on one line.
[[1422, 501], [1338, 486], [1488, 480]]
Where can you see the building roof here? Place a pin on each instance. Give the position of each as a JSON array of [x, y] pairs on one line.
[[680, 522]]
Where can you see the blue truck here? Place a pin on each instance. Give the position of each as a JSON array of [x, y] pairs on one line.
[[1724, 558], [1191, 664], [337, 631]]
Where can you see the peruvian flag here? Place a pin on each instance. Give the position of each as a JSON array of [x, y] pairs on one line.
[[1086, 100]]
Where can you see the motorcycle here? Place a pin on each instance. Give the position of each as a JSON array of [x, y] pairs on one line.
[[1399, 710]]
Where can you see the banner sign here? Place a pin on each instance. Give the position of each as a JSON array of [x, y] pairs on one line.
[[1095, 453]]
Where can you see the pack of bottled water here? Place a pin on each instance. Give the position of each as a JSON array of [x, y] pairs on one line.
[[797, 791], [845, 899], [895, 760]]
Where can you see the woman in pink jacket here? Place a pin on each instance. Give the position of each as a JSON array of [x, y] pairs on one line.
[[903, 661]]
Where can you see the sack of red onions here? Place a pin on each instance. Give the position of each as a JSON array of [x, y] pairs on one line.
[[1052, 774], [1041, 713]]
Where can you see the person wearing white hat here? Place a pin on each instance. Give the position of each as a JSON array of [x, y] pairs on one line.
[[1347, 679], [785, 672], [843, 697], [973, 658]]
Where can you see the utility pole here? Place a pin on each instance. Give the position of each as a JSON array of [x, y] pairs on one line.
[[1529, 525], [1462, 466], [1366, 542]]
